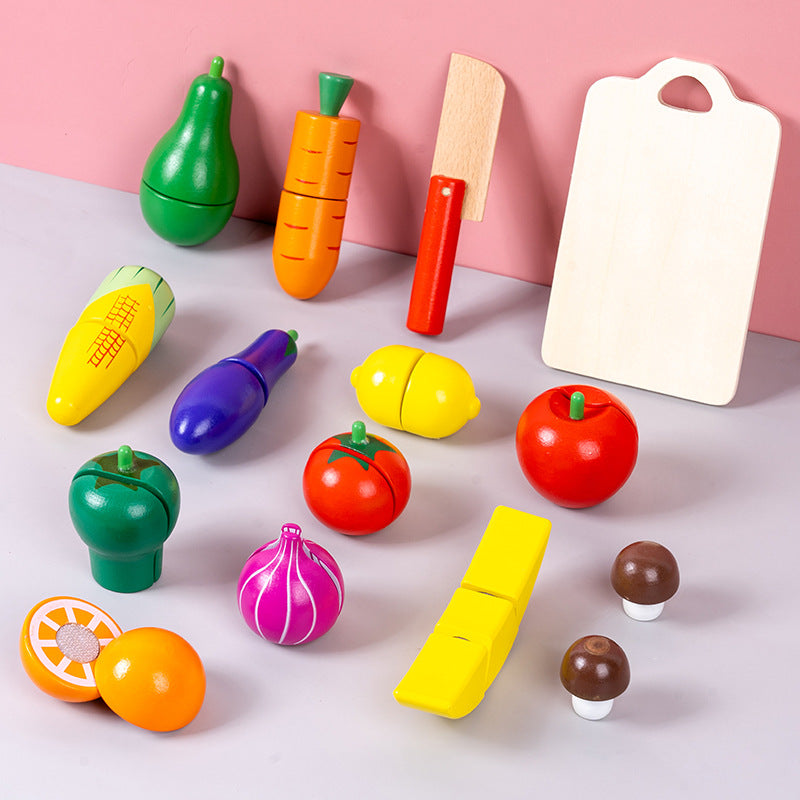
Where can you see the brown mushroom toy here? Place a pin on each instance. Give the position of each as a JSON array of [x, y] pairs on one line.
[[645, 575], [594, 671]]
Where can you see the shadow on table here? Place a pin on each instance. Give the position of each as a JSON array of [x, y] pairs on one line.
[[511, 298], [361, 271], [770, 367]]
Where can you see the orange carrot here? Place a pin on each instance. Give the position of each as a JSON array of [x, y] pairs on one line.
[[308, 231]]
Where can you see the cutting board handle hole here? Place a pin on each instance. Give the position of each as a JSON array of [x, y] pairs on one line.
[[686, 93]]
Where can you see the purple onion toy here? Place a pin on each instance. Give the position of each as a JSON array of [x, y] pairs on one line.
[[291, 590], [224, 400]]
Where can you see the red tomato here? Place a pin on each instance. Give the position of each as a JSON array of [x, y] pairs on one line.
[[577, 462], [356, 483]]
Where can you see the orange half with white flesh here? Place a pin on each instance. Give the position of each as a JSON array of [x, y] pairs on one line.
[[60, 641]]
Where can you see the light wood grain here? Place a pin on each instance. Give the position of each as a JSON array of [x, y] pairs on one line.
[[473, 101], [662, 236]]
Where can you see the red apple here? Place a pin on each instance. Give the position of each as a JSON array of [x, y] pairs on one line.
[[577, 445]]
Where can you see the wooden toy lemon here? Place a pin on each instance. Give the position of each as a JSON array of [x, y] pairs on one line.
[[60, 641], [411, 390]]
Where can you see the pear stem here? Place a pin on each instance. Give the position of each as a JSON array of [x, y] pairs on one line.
[[125, 459], [217, 65]]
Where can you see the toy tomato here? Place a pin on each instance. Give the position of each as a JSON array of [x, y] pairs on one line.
[[577, 445], [356, 483]]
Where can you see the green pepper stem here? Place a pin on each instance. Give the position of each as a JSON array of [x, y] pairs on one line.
[[125, 459]]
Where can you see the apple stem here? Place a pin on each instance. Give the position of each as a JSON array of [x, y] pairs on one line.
[[576, 405], [359, 433]]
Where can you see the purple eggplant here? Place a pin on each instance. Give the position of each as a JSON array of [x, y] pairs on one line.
[[224, 400]]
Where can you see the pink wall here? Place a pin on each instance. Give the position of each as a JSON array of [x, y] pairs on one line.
[[89, 86]]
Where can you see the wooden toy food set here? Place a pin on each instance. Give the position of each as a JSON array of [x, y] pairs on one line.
[[659, 175]]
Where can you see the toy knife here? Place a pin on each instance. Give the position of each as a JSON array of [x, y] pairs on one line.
[[462, 164]]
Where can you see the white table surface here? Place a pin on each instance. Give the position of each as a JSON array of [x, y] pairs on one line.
[[712, 706]]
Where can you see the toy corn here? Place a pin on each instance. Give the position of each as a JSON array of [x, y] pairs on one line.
[[122, 322]]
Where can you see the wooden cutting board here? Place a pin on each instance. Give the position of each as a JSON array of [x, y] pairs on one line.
[[662, 236]]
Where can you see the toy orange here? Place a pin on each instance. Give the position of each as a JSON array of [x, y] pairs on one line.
[[152, 678], [60, 641]]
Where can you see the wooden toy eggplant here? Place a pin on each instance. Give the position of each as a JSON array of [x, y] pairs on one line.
[[224, 400], [124, 504], [191, 178], [122, 322]]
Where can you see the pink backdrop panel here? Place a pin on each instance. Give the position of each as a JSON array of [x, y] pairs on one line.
[[90, 86]]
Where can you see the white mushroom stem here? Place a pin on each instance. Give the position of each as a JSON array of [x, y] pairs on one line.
[[591, 709], [640, 612]]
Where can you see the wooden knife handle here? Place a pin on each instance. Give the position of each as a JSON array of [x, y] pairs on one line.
[[436, 255]]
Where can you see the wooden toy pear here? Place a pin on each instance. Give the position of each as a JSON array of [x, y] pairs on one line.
[[191, 177]]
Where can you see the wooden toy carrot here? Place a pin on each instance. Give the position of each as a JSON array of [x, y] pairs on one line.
[[308, 231]]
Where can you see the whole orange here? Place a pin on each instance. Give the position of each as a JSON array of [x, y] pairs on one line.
[[152, 678]]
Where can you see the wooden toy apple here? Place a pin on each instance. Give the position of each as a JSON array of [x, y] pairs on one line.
[[577, 445]]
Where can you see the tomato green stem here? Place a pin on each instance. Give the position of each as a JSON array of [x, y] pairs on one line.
[[576, 405], [359, 432]]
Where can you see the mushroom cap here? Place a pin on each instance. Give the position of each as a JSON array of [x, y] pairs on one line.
[[595, 668], [645, 573]]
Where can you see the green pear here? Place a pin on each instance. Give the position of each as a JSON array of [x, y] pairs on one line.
[[191, 177]]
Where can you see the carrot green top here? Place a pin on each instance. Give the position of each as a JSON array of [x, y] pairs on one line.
[[333, 91]]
